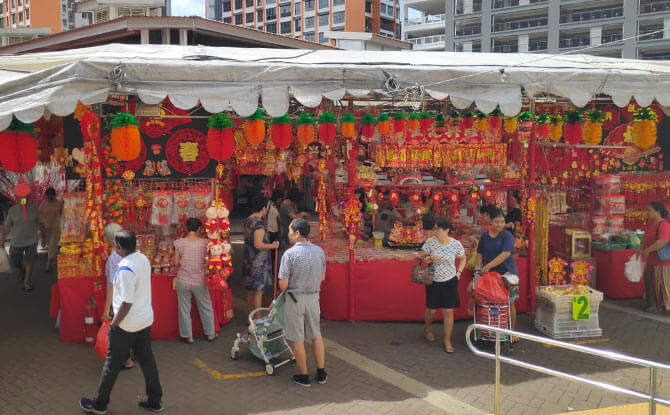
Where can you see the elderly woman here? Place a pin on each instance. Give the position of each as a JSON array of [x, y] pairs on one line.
[[442, 251], [657, 272], [189, 256], [111, 266]]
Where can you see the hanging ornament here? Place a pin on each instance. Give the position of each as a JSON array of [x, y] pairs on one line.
[[468, 119], [254, 127], [347, 125], [481, 124], [525, 126], [18, 146], [573, 127], [280, 131], [220, 140], [440, 123], [644, 128], [542, 127], [437, 197], [125, 138], [394, 197], [593, 126], [473, 196], [413, 121], [327, 128], [556, 127], [581, 272], [495, 120], [305, 125], [510, 125], [556, 274], [368, 126], [383, 124], [399, 123], [425, 122]]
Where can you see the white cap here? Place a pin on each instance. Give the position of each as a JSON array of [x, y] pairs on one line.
[[511, 278]]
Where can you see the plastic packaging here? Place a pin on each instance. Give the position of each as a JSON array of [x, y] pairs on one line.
[[5, 265], [490, 288], [634, 268]]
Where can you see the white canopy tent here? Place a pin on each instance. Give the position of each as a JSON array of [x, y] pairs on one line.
[[243, 79]]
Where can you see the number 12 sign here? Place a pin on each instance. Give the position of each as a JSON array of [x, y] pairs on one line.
[[581, 308]]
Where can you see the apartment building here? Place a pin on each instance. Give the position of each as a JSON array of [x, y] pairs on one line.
[[616, 28], [310, 19], [100, 11]]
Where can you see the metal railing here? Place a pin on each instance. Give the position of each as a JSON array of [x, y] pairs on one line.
[[574, 42], [655, 7], [537, 45], [653, 366], [427, 19], [469, 30], [426, 40], [652, 33], [613, 37], [505, 48], [592, 15], [520, 24]]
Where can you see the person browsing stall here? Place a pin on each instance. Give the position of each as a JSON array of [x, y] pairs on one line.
[[51, 210], [656, 272], [386, 218], [302, 270], [443, 251], [288, 211]]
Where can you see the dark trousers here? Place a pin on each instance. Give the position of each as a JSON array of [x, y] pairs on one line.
[[274, 236], [120, 342]]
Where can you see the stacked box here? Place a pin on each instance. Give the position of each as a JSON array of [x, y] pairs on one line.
[[553, 314]]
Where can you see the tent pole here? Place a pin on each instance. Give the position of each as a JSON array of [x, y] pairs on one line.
[[531, 228]]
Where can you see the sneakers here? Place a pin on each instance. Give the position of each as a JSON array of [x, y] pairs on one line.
[[88, 406], [321, 376], [302, 380], [151, 407]]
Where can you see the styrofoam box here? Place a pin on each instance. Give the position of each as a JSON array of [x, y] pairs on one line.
[[553, 315]]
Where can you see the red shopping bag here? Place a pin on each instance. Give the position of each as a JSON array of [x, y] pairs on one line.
[[490, 288], [102, 340]]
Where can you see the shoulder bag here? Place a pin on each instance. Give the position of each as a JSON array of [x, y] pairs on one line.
[[423, 274], [663, 253]]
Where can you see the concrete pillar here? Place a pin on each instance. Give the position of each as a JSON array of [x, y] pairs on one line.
[[467, 6], [449, 25], [554, 23], [630, 11], [165, 36], [596, 35], [467, 46], [486, 23], [523, 43], [144, 36], [183, 37]]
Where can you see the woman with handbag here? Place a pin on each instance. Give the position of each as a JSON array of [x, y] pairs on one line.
[[442, 251], [656, 250]]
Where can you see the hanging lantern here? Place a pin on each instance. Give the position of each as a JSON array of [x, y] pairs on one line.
[[495, 120], [437, 197], [644, 128], [220, 139], [487, 194], [305, 125], [525, 126], [19, 147], [573, 127], [510, 125], [415, 198], [347, 125], [473, 196], [254, 127], [394, 197], [425, 122], [125, 138], [327, 127], [556, 127], [481, 124], [468, 120], [368, 125], [399, 123], [440, 123], [280, 131], [542, 127], [383, 124], [593, 126], [413, 121]]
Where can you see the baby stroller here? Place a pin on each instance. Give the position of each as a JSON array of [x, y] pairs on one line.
[[490, 309], [266, 337]]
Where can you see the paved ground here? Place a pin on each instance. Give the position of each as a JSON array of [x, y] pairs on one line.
[[374, 368]]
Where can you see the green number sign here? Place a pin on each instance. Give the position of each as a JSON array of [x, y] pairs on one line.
[[581, 309]]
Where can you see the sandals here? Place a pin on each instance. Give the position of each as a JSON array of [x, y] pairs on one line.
[[430, 338], [211, 339], [27, 287], [516, 339], [449, 349], [188, 340]]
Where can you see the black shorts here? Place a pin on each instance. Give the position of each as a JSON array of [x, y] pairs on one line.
[[443, 294], [20, 255]]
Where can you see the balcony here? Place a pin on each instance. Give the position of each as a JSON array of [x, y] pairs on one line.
[[427, 20], [476, 8], [654, 33], [592, 15], [520, 24], [503, 4], [614, 37], [427, 41], [656, 57], [574, 42], [469, 30], [659, 6], [506, 48], [537, 45]]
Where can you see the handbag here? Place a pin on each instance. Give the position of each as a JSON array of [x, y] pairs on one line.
[[663, 253], [422, 274]]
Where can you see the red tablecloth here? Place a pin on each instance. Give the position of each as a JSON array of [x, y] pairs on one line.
[[72, 294], [384, 292], [610, 279]]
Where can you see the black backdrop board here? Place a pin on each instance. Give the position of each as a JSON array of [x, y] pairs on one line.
[[171, 148]]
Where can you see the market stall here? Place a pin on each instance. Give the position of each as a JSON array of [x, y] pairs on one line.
[[356, 129]]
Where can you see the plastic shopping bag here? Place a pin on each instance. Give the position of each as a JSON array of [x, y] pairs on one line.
[[634, 268], [102, 340], [490, 288], [5, 266]]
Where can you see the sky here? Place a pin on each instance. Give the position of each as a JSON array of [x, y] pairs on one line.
[[188, 8]]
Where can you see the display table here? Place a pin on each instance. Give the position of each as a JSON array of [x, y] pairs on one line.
[[383, 291], [70, 296], [610, 279]]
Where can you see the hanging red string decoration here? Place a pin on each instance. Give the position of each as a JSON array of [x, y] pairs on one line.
[[220, 140], [573, 128], [368, 125], [347, 125], [19, 147], [125, 138], [327, 128], [425, 122], [413, 121], [305, 124], [254, 127], [383, 124], [281, 132], [394, 197]]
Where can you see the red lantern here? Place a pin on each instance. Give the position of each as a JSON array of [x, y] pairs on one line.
[[220, 140], [437, 197], [19, 148], [415, 198], [542, 131], [468, 122], [425, 122], [327, 128], [368, 125], [394, 197], [573, 133], [495, 123], [473, 196], [281, 132]]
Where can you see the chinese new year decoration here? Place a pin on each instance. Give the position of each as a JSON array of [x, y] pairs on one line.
[[581, 272], [219, 260], [399, 123], [413, 121], [19, 147], [281, 132], [593, 126], [644, 128], [556, 275], [510, 125], [383, 124], [368, 125], [220, 140], [327, 127], [305, 127], [542, 127], [347, 125], [495, 120], [556, 127], [125, 137], [425, 122], [411, 156], [481, 124], [573, 127], [468, 119], [254, 127]]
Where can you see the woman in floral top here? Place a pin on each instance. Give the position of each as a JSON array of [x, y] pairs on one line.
[[257, 258]]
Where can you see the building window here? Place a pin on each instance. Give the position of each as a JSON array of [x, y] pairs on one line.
[[267, 2], [271, 27], [238, 19], [285, 10], [250, 17], [322, 37], [285, 27], [324, 4], [249, 3], [270, 14], [259, 15], [338, 18], [297, 9], [228, 20], [368, 6], [20, 17], [324, 20], [27, 14], [259, 3], [309, 5], [296, 25], [309, 22], [338, 2], [309, 37], [382, 8], [238, 4], [226, 6]]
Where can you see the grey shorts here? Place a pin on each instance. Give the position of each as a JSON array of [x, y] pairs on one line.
[[20, 255], [302, 318]]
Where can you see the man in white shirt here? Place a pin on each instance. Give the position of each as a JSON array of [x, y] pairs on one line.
[[130, 327]]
